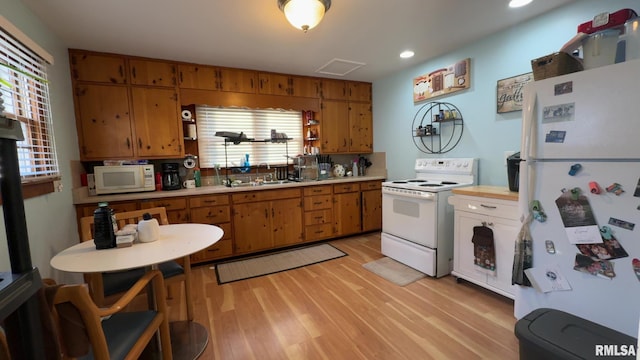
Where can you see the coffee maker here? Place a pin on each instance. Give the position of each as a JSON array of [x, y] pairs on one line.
[[171, 176]]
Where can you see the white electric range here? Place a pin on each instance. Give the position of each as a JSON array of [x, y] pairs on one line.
[[417, 220]]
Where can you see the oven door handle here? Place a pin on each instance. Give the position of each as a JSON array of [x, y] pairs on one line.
[[422, 195]]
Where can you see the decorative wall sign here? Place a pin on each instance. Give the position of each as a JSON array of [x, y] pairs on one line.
[[510, 92], [442, 81]]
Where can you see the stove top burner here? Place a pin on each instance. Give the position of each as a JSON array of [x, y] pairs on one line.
[[431, 185], [416, 181], [449, 183], [399, 182]]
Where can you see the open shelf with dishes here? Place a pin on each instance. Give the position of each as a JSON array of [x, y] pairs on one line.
[[437, 127], [311, 127]]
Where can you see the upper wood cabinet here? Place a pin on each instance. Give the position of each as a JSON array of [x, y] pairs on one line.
[[103, 121], [334, 89], [281, 84], [334, 125], [154, 73], [214, 78], [105, 68], [359, 91], [360, 127], [157, 126]]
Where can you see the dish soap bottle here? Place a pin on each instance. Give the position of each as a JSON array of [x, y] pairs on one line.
[[196, 177]]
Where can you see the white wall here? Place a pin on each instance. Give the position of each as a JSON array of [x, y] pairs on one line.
[[51, 222], [487, 135]]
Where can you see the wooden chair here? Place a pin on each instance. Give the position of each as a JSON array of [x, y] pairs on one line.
[[105, 287], [83, 328]]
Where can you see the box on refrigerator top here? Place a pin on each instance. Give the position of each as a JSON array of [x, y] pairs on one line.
[[606, 20]]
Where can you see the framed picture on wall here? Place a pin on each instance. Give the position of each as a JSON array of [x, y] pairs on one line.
[[509, 92], [443, 81]]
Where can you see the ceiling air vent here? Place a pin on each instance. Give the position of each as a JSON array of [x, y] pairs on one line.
[[339, 67]]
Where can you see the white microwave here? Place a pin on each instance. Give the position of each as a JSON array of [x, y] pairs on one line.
[[124, 179]]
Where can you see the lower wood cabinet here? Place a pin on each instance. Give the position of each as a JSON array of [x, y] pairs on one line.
[[371, 205], [177, 211], [347, 209], [213, 210], [318, 213], [266, 219]]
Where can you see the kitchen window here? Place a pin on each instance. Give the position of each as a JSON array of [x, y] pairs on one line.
[[255, 124], [25, 93]]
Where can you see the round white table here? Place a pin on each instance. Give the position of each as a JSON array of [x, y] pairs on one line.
[[188, 338]]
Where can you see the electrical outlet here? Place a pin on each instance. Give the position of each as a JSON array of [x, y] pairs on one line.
[[57, 185], [507, 154]]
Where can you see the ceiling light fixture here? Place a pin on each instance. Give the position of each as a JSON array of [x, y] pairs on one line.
[[304, 14], [407, 54], [519, 3]]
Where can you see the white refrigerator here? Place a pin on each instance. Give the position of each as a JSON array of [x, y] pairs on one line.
[[581, 163]]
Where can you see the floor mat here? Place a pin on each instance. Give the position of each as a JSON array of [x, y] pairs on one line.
[[394, 271]]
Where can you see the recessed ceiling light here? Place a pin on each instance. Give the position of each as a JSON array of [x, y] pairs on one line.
[[519, 3], [407, 54]]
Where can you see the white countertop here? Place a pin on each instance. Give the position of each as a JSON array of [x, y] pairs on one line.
[[81, 195]]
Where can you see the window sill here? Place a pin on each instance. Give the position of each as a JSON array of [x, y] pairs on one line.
[[34, 189]]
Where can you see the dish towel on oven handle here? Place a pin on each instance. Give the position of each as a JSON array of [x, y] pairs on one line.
[[484, 249]]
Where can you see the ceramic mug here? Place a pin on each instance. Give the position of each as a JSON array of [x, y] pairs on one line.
[[189, 184]]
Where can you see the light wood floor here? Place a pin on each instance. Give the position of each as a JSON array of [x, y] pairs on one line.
[[339, 310]]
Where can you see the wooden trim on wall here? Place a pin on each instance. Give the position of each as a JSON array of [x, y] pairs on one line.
[[259, 101]]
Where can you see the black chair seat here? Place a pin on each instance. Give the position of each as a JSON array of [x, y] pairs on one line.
[[121, 332], [121, 281]]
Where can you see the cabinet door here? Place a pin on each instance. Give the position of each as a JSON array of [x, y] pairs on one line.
[[334, 127], [197, 77], [157, 123], [237, 80], [347, 213], [177, 212], [286, 222], [251, 227], [155, 73], [464, 258], [334, 89], [100, 68], [371, 210], [360, 127], [505, 233], [274, 84], [104, 125], [359, 91], [304, 87]]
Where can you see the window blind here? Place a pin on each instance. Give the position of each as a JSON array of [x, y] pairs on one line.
[[255, 124], [25, 93]]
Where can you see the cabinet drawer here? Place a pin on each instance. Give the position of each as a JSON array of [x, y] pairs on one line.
[[87, 210], [487, 206], [370, 185], [318, 232], [318, 217], [210, 200], [169, 204], [345, 188], [211, 215], [222, 248], [317, 190], [251, 196], [318, 202]]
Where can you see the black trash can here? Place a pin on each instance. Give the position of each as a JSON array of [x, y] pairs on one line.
[[551, 334], [513, 171]]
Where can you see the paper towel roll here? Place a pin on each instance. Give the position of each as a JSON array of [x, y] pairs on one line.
[[186, 115], [192, 131]]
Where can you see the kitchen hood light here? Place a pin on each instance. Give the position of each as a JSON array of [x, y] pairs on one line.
[[519, 3], [304, 14], [407, 54]]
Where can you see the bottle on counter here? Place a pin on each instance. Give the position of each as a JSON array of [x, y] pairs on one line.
[[354, 170], [197, 177], [105, 227]]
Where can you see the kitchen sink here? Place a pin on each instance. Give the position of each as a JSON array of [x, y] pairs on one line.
[[276, 182]]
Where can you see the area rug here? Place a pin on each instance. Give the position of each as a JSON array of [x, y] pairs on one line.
[[396, 272], [272, 263]]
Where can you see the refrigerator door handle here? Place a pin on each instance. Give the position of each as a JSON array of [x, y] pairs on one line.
[[528, 128]]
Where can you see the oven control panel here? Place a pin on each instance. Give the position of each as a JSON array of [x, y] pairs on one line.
[[449, 165], [408, 192]]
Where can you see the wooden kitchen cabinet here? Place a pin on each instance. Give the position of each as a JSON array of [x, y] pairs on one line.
[[153, 73], [318, 212], [371, 205], [217, 78], [501, 216], [359, 91], [177, 210], [266, 219], [360, 127], [333, 89], [103, 121], [104, 68], [158, 127], [347, 209], [281, 84], [213, 210], [334, 127]]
